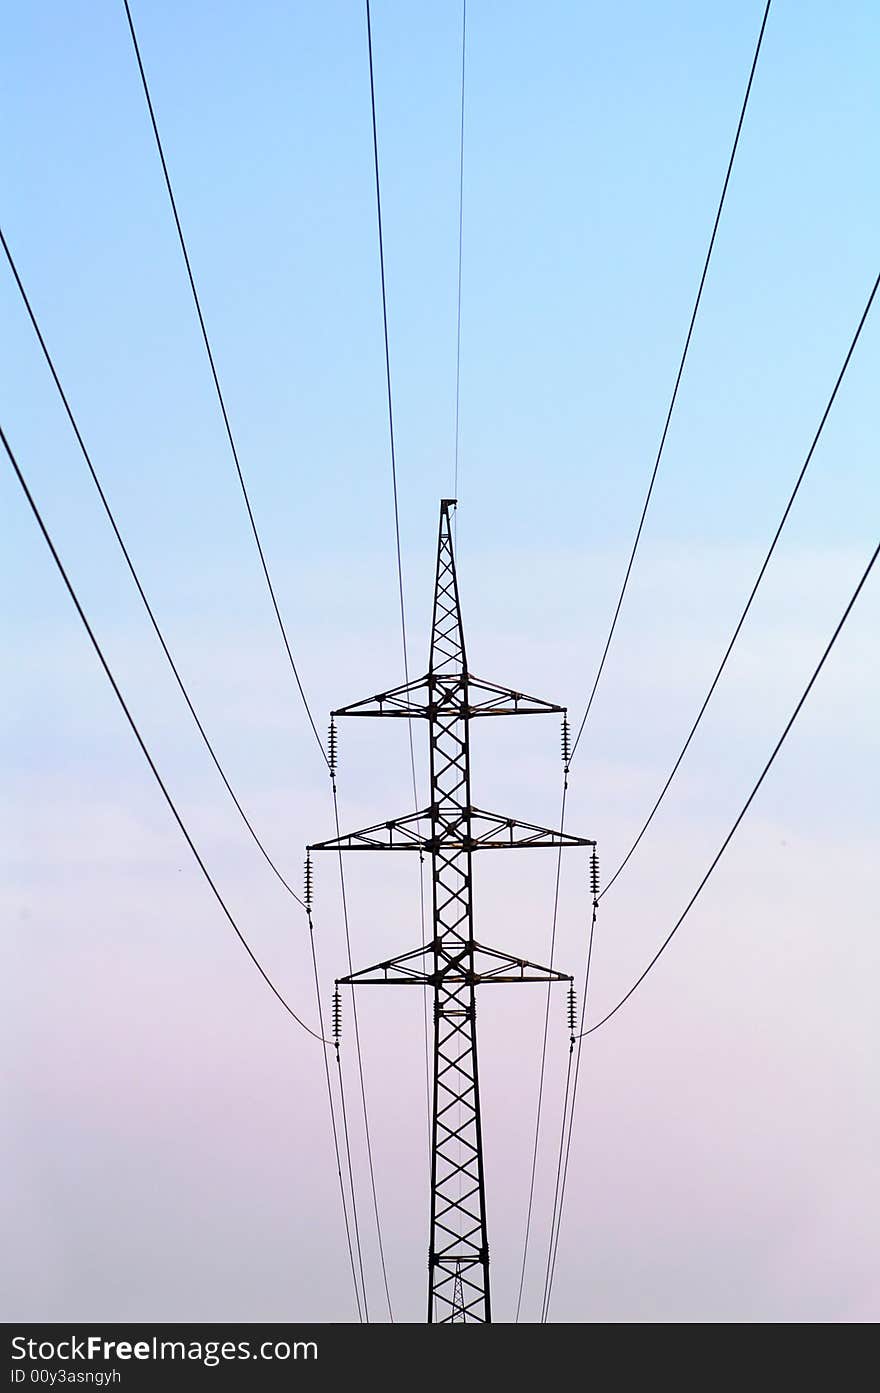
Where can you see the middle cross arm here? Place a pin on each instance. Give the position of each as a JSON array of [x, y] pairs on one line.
[[454, 829], [436, 694]]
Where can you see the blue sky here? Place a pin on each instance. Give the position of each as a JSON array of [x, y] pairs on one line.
[[596, 141]]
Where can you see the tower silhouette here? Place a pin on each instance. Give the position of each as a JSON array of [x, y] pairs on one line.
[[453, 964]]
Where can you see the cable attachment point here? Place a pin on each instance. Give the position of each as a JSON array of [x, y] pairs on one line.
[[572, 1011], [307, 881], [337, 1017], [594, 874], [332, 748], [566, 742]]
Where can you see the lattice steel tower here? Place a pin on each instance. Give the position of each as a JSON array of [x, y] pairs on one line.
[[451, 829]]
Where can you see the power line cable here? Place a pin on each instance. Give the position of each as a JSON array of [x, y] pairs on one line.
[[387, 358], [687, 344], [136, 732], [692, 901], [583, 1034], [522, 1274], [559, 1196], [391, 437], [753, 592], [264, 562], [558, 1179], [357, 1293], [245, 495], [154, 770], [400, 586], [134, 575], [778, 746], [216, 378], [358, 1050], [351, 1184], [360, 1064]]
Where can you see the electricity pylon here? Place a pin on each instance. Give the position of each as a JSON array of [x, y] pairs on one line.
[[453, 964]]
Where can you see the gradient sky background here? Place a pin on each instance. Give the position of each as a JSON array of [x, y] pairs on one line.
[[169, 1150]]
